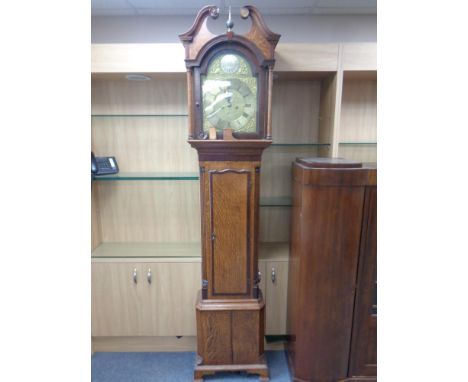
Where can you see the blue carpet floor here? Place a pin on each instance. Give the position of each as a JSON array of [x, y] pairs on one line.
[[171, 367]]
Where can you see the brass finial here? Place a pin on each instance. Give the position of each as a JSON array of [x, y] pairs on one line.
[[229, 22]]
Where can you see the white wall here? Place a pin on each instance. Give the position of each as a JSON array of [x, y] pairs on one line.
[[293, 28]]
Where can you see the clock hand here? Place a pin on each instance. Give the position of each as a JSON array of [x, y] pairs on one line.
[[215, 112], [219, 98]]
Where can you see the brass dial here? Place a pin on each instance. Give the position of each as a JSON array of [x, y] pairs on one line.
[[229, 93]]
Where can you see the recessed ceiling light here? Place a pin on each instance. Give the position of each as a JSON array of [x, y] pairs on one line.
[[137, 77]]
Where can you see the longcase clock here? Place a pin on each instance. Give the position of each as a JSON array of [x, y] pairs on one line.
[[229, 80]]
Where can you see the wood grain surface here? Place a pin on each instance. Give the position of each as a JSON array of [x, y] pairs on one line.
[[359, 120], [145, 144], [164, 307], [158, 96], [363, 356], [230, 260], [325, 247], [96, 235], [359, 111], [214, 336], [330, 112], [276, 279], [230, 333], [230, 208], [295, 111], [169, 58], [149, 211]]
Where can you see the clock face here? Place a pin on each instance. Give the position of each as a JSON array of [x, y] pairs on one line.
[[229, 93]]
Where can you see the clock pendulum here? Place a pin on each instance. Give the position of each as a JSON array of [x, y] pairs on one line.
[[229, 82]]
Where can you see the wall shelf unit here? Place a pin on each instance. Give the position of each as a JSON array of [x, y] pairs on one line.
[[147, 216]]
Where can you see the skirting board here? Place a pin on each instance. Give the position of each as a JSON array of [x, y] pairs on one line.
[[154, 344]]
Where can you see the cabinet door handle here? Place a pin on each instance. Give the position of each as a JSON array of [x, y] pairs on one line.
[[135, 280], [149, 276], [273, 275]]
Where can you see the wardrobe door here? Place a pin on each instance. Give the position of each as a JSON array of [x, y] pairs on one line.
[[363, 359]]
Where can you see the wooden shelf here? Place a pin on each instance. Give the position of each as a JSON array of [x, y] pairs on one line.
[[270, 251], [107, 59]]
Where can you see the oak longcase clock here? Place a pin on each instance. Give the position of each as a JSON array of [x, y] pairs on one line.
[[229, 81]]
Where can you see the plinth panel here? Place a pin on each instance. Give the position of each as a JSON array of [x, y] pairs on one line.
[[230, 336]]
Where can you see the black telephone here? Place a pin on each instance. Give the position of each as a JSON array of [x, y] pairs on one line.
[[103, 165]]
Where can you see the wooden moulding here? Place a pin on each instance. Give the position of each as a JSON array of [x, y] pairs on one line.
[[324, 177], [259, 368], [198, 35], [230, 337], [225, 304], [238, 150], [190, 104]]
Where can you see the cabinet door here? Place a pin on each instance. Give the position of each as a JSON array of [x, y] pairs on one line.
[[229, 273], [276, 279], [172, 293], [160, 303], [115, 299], [229, 195]]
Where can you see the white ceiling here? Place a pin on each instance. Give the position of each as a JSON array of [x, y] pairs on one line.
[[267, 7]]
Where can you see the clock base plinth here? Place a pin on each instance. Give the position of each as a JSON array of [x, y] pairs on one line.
[[261, 369], [230, 337]]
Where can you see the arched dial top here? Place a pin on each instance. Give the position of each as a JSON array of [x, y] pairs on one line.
[[229, 79], [229, 94]]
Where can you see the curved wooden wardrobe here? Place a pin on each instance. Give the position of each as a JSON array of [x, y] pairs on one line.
[[332, 307]]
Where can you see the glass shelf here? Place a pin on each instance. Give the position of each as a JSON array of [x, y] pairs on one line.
[[276, 201], [146, 250], [358, 143], [269, 201], [300, 144], [136, 115], [271, 250], [149, 176]]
